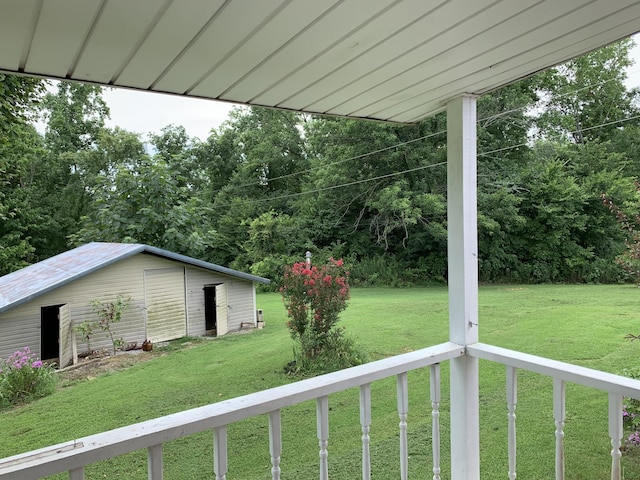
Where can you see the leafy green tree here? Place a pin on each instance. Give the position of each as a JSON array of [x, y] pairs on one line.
[[19, 101], [75, 116], [144, 203], [22, 218], [260, 151], [629, 224], [374, 187], [183, 154], [275, 241], [587, 97], [20, 148]]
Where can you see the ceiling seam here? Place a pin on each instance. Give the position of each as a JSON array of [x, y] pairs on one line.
[[467, 40], [83, 45], [26, 50], [415, 47], [191, 42], [548, 42], [399, 30], [236, 47], [328, 48], [143, 38], [282, 46]]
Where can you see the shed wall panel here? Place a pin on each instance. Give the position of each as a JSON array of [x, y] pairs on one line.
[[241, 304], [19, 331], [165, 303]]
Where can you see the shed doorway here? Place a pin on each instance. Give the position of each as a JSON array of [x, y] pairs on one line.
[[55, 334], [210, 316], [215, 309]]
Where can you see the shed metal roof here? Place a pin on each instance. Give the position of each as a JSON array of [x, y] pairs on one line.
[[37, 279], [394, 60]]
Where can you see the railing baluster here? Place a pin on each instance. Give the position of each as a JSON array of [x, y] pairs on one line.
[[154, 462], [512, 400], [322, 417], [559, 415], [275, 443], [615, 432], [365, 422], [435, 418], [76, 474], [403, 407], [220, 452]]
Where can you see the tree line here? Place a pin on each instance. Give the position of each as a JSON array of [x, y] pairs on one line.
[[269, 185]]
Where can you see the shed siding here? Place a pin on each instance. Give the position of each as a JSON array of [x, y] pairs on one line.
[[20, 326], [241, 304], [125, 277], [165, 303], [19, 331], [240, 299]]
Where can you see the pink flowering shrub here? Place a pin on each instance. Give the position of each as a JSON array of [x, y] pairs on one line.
[[314, 297], [23, 377]]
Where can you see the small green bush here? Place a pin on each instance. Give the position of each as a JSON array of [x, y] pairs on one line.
[[23, 377], [339, 351]]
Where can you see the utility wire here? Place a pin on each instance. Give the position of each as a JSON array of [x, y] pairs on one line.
[[337, 162], [606, 124], [431, 135], [333, 187], [423, 167], [425, 137]]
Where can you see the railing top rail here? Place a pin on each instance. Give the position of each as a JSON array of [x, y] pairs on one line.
[[588, 377], [75, 454]]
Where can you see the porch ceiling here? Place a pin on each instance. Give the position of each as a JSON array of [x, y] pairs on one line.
[[395, 60]]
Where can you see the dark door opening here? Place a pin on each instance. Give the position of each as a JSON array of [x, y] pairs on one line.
[[50, 332], [210, 315]]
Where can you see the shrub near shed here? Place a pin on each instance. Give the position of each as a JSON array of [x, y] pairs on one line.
[[23, 377]]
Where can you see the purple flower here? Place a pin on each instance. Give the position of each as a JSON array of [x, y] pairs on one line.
[[37, 364], [634, 438]]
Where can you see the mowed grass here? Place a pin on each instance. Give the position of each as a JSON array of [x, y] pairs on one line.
[[585, 325]]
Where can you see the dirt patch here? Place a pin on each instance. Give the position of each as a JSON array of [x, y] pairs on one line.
[[103, 361], [100, 364]]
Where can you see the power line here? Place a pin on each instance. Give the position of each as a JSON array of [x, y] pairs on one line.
[[424, 137], [338, 162], [342, 185], [423, 167], [606, 124]]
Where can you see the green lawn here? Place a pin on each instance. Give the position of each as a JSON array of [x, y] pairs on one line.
[[579, 324]]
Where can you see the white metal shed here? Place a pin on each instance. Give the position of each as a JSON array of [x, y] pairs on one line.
[[171, 296]]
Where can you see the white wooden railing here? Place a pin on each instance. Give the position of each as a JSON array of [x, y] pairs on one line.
[[73, 456], [616, 386]]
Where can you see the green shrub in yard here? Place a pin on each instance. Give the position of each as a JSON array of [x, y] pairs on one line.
[[314, 297], [339, 351], [23, 377]]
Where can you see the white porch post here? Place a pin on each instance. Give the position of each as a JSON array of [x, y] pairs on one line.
[[463, 285]]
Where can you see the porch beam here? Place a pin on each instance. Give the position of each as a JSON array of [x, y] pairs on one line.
[[462, 254]]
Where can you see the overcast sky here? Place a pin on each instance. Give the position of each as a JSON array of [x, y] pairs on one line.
[[144, 112]]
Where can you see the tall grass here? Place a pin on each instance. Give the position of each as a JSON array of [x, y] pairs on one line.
[[578, 324]]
